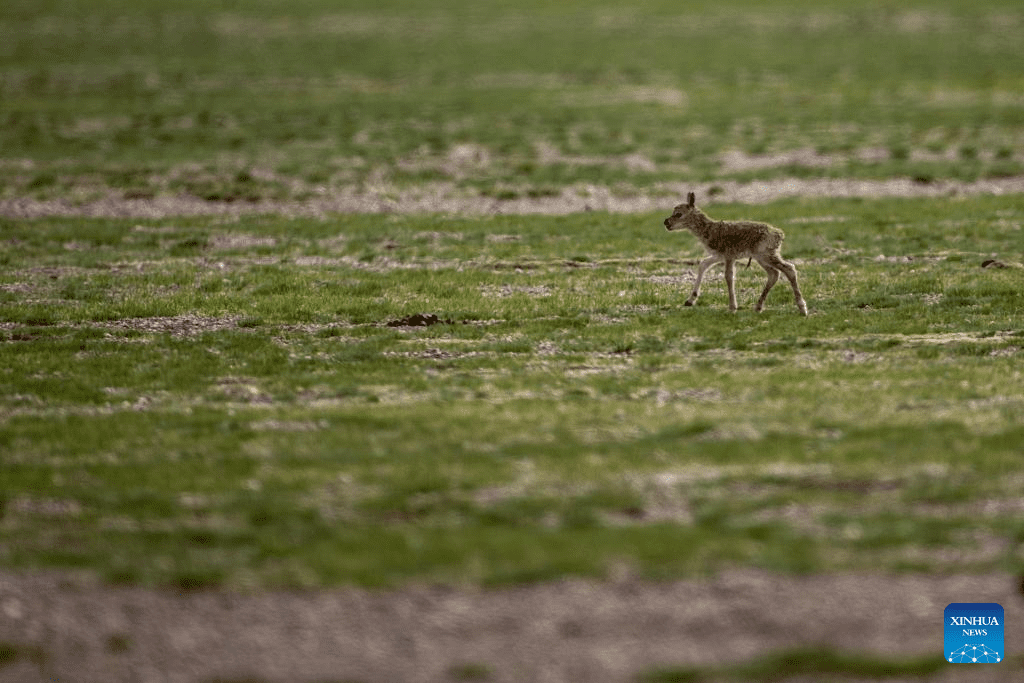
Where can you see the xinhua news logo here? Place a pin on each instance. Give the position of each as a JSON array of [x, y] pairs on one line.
[[974, 633]]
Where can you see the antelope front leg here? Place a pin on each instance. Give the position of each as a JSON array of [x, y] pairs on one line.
[[730, 282], [704, 265]]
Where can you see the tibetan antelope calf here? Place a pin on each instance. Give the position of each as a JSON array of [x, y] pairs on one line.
[[727, 241]]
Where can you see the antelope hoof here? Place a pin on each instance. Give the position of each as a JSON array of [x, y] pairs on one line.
[[688, 302]]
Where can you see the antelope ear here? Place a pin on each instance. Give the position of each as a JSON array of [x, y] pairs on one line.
[[690, 198]]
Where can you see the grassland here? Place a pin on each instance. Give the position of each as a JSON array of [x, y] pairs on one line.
[[240, 404], [209, 100], [308, 295]]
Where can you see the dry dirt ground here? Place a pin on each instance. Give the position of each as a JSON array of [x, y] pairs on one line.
[[448, 199], [70, 628]]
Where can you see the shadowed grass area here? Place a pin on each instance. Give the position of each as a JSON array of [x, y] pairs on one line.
[[816, 663], [10, 653]]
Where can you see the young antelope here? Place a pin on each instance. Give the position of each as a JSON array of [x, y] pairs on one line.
[[727, 241]]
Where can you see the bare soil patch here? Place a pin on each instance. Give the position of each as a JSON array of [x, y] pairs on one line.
[[447, 198], [420, 320], [72, 628], [186, 325]]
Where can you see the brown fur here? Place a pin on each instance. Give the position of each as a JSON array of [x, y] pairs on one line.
[[727, 241]]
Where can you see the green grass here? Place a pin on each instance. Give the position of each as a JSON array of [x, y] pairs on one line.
[[268, 101], [821, 664], [192, 402]]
